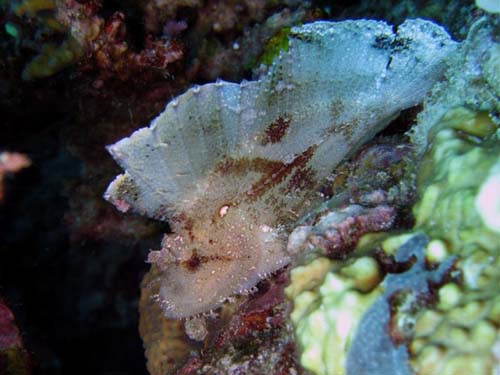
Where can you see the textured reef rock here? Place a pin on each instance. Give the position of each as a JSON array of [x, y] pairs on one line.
[[347, 321], [145, 41], [90, 40], [460, 210], [329, 300], [251, 336], [220, 33], [378, 344], [425, 301], [337, 232], [14, 359], [231, 166], [471, 81]]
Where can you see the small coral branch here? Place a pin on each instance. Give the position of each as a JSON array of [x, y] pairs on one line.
[[337, 233], [11, 162]]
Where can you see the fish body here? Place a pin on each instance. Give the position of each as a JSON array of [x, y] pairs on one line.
[[231, 166]]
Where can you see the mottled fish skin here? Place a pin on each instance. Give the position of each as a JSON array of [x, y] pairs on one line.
[[231, 166]]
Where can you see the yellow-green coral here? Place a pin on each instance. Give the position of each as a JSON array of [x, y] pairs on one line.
[[52, 59], [14, 361], [328, 306], [454, 329], [457, 176], [460, 209], [32, 7]]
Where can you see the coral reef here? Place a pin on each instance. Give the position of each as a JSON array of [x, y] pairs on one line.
[[347, 322], [460, 210], [72, 33], [166, 344], [381, 337], [92, 41], [279, 42], [250, 336], [220, 33], [327, 307], [426, 300], [473, 80], [337, 232], [71, 264], [381, 172], [369, 193], [158, 12]]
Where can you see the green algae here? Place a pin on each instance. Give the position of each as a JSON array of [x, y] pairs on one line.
[[328, 306], [52, 59], [279, 42]]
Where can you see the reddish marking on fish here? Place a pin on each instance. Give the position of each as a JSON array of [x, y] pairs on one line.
[[277, 130], [273, 172]]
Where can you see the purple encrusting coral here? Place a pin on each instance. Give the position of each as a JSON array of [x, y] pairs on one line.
[[379, 343], [337, 232]]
